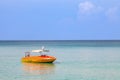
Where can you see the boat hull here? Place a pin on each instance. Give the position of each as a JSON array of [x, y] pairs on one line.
[[39, 59]]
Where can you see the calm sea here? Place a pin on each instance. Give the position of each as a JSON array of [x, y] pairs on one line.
[[76, 60]]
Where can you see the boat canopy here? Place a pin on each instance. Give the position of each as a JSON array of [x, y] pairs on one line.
[[40, 50]]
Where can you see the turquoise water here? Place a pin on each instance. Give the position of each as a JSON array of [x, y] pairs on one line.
[[76, 60]]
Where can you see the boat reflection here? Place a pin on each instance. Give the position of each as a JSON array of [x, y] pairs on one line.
[[38, 68]]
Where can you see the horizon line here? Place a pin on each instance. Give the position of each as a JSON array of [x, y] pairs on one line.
[[61, 40]]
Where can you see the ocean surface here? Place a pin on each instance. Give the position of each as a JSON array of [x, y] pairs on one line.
[[76, 60]]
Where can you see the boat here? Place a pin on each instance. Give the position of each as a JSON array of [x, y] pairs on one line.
[[42, 58]]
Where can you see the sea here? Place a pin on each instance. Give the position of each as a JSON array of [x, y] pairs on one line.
[[76, 60]]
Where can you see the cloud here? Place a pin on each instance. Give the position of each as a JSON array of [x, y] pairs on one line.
[[87, 10], [112, 13], [88, 7]]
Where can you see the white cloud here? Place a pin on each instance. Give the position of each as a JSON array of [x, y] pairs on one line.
[[88, 7], [112, 13], [88, 10]]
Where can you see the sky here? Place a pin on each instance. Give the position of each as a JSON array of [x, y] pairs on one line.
[[59, 19]]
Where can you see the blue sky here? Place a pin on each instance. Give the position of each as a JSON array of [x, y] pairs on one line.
[[59, 19]]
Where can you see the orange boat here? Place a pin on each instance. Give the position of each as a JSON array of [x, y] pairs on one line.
[[42, 58]]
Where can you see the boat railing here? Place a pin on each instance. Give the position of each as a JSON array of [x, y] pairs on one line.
[[27, 54]]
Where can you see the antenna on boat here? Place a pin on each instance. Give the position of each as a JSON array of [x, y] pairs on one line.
[[43, 47]]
